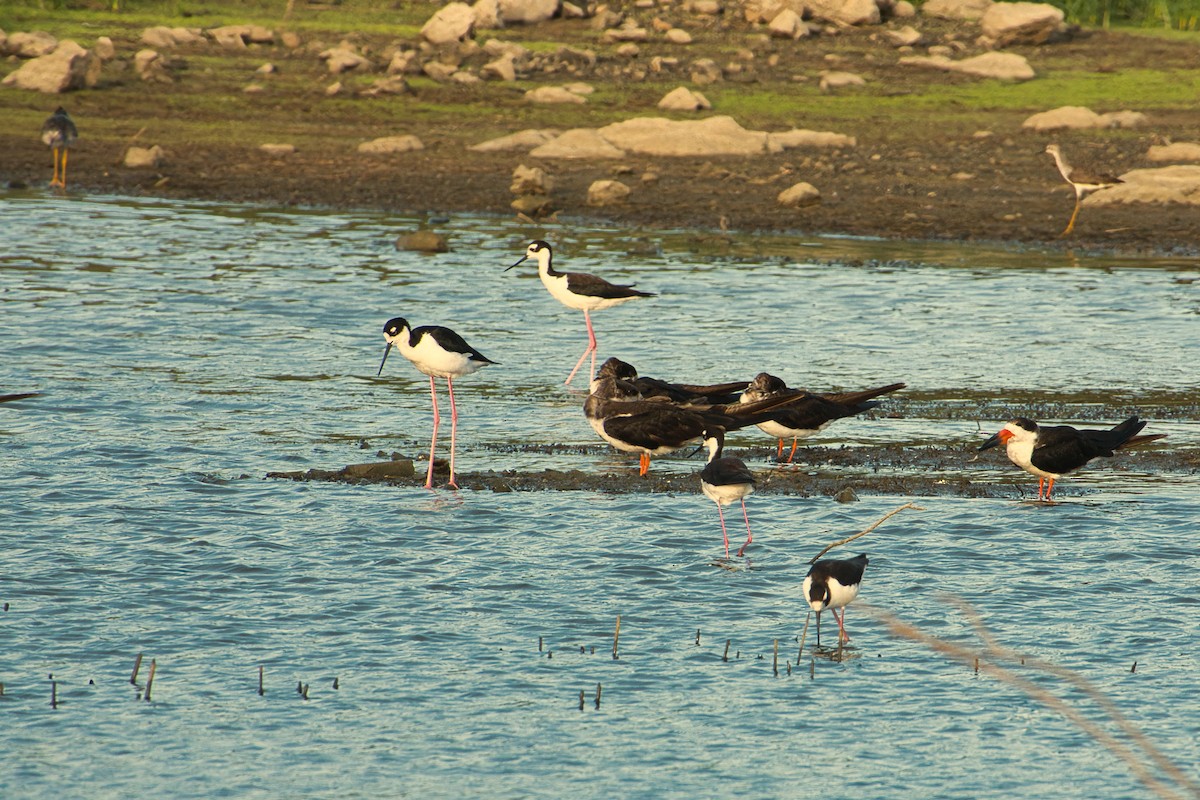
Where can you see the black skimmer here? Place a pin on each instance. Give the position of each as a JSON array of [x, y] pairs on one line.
[[683, 393], [809, 413], [1082, 181], [59, 133], [658, 426], [578, 290], [1051, 452], [439, 353], [726, 479], [833, 583]]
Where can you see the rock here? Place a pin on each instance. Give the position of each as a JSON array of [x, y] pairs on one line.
[[387, 145], [1064, 117], [908, 36], [578, 143], [277, 150], [1021, 23], [30, 44], [553, 94], [452, 23], [522, 140], [267, 69], [343, 58], [1178, 184], [629, 50], [487, 15], [904, 10], [1176, 151], [290, 40], [678, 36], [833, 79], [797, 138], [532, 205], [845, 12], [144, 157], [404, 62], [788, 24], [955, 9], [763, 11], [423, 242], [707, 8], [392, 84], [158, 36], [607, 193], [705, 71], [439, 71], [254, 88], [334, 88], [527, 12], [465, 78], [502, 69], [150, 66], [68, 67], [1002, 66], [530, 180], [104, 49], [715, 136], [800, 195], [1124, 119], [232, 37], [684, 99], [629, 32]]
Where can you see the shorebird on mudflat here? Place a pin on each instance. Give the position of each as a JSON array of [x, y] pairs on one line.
[[832, 583], [578, 290], [59, 133], [724, 480], [806, 415], [658, 426], [1051, 452], [439, 353], [683, 393], [1082, 181]]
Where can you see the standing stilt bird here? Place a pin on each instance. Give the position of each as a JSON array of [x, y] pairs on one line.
[[1082, 181], [1050, 452], [439, 353], [726, 479], [59, 133], [578, 290], [833, 583]]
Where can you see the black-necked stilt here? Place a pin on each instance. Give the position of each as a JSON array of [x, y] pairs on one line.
[[724, 480], [1082, 181], [439, 353], [675, 392], [1051, 452], [578, 290], [658, 426], [808, 414], [59, 133], [833, 583]]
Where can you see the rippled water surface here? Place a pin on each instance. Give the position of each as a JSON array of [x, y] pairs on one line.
[[184, 351]]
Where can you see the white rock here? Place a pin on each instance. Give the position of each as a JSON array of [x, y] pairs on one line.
[[530, 180], [678, 36], [527, 12], [1178, 184], [1020, 23], [956, 9], [578, 143], [845, 12], [553, 94], [30, 44], [452, 23], [391, 144], [834, 79], [797, 138], [68, 67], [144, 157], [1002, 66], [800, 195], [788, 24], [908, 36], [1064, 117], [343, 58], [277, 150], [502, 69], [1124, 119], [904, 10], [104, 49], [607, 193], [1176, 151], [522, 140], [487, 15], [684, 99], [656, 136]]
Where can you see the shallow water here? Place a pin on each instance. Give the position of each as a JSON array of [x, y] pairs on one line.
[[184, 350]]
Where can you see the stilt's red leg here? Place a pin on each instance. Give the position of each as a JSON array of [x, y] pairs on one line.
[[62, 178], [779, 451], [724, 535], [433, 439], [54, 180], [842, 635], [792, 454], [643, 464], [453, 427], [591, 348], [1049, 489], [749, 536]]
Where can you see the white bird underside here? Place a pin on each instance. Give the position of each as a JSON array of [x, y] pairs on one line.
[[432, 360], [557, 286], [839, 595], [728, 494]]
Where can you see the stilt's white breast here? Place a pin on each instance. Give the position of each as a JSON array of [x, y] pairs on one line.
[[429, 357]]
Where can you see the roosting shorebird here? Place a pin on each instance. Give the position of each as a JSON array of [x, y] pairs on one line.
[[1051, 452], [1082, 181], [578, 290], [439, 353], [683, 393], [59, 133]]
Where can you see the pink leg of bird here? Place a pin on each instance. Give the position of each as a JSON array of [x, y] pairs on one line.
[[724, 535], [749, 536], [453, 428], [843, 636], [792, 454], [433, 439], [591, 348], [779, 451]]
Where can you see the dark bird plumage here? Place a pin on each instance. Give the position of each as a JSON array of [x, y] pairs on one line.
[[833, 583], [59, 133]]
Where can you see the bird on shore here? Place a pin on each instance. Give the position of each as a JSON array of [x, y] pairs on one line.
[[806, 415], [1051, 452], [439, 353], [1082, 181], [59, 133], [683, 393], [832, 583], [726, 479], [658, 426], [578, 290]]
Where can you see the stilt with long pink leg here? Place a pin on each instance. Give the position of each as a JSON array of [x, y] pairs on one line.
[[578, 290], [439, 353], [833, 583], [726, 479]]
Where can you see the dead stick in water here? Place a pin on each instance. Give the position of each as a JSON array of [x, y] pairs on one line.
[[137, 665], [598, 690], [803, 636], [54, 694], [867, 530], [775, 659], [581, 699], [726, 656], [617, 638], [150, 678], [261, 691]]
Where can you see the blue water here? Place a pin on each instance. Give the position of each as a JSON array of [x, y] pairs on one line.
[[185, 350]]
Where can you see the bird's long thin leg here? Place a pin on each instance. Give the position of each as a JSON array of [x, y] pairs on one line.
[[818, 629], [62, 180], [433, 438], [1049, 489], [1041, 483], [792, 454], [724, 535], [453, 428], [749, 536], [842, 635], [591, 348], [779, 451], [643, 464], [1074, 214], [54, 180]]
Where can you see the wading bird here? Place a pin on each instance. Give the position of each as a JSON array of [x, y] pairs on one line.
[[578, 290], [59, 133], [1082, 181], [1051, 452], [833, 583], [439, 353], [726, 479]]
